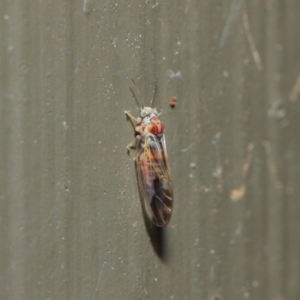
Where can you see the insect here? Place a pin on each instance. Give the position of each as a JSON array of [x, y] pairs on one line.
[[152, 166], [173, 101]]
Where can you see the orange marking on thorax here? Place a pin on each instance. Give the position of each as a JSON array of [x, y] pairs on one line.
[[156, 128]]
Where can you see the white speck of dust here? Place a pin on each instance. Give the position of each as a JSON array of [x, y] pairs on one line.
[[172, 74], [212, 251], [65, 125], [225, 74], [192, 165], [205, 189]]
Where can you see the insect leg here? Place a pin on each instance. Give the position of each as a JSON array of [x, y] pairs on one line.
[[131, 145], [132, 119]]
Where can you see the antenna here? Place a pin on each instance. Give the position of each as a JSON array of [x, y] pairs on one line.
[[134, 96], [154, 91]]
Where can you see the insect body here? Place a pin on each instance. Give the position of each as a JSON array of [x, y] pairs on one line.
[[152, 166]]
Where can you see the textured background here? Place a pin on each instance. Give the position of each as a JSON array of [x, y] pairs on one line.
[[71, 224]]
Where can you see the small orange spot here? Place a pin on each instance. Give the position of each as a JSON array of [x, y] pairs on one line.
[[238, 194], [173, 101]]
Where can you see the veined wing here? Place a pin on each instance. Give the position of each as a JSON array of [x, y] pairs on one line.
[[154, 178]]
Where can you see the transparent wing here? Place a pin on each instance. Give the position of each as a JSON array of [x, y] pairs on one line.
[[154, 179]]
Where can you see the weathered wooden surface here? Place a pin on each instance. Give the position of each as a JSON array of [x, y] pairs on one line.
[[71, 222]]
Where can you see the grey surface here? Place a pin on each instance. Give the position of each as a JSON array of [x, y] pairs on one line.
[[71, 221]]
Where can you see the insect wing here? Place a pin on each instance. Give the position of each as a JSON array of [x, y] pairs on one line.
[[154, 178]]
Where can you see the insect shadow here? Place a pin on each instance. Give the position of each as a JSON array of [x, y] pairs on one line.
[[157, 235]]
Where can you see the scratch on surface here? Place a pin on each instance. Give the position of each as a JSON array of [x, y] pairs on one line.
[[248, 160], [86, 7], [188, 148], [99, 277], [234, 11], [271, 164], [187, 6], [175, 135], [218, 169], [295, 91], [250, 39], [238, 193]]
